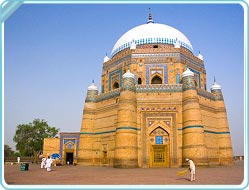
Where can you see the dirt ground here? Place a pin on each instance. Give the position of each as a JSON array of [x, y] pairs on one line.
[[79, 175]]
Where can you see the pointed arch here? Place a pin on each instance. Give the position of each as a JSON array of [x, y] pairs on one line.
[[159, 131], [115, 85], [156, 80]]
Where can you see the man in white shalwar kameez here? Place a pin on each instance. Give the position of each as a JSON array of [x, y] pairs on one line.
[[191, 169], [43, 162], [48, 165]]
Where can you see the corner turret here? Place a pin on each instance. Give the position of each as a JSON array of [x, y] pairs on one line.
[[192, 130], [92, 92], [126, 150], [224, 140], [85, 153], [216, 90]]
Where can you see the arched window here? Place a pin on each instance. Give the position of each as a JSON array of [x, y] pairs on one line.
[[139, 81], [115, 85], [156, 80], [69, 146]]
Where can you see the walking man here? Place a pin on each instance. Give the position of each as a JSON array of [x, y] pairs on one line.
[[48, 165], [191, 169], [43, 162]]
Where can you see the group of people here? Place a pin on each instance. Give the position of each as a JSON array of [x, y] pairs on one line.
[[47, 163]]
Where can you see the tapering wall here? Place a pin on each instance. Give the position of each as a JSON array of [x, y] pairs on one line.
[[194, 146], [126, 150]]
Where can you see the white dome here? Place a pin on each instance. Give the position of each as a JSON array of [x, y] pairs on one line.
[[128, 74], [200, 56], [106, 58], [187, 73], [92, 87], [215, 86], [151, 33]]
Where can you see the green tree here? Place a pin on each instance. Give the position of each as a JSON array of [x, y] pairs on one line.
[[8, 152], [29, 137]]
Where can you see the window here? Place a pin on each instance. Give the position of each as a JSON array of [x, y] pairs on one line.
[[178, 79], [69, 146], [115, 85], [159, 139], [139, 81]]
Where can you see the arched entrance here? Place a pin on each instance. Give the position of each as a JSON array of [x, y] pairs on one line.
[[156, 80], [159, 151], [115, 85], [69, 157], [69, 150]]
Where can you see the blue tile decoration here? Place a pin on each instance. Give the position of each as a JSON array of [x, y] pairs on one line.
[[205, 131], [103, 89], [69, 140], [184, 57], [188, 83], [111, 131], [69, 146], [118, 72], [198, 76], [157, 66], [108, 95], [178, 80], [151, 41], [159, 139], [205, 94], [152, 88], [112, 65], [144, 116], [69, 137]]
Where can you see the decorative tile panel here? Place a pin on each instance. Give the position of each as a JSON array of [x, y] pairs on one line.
[[205, 94], [108, 95], [156, 88], [178, 79], [197, 76], [69, 137], [150, 41], [118, 72], [157, 66]]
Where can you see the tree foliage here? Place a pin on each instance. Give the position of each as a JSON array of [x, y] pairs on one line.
[[8, 152], [29, 137]]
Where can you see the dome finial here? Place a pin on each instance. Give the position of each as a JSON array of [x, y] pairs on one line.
[[106, 58], [215, 85], [150, 18], [200, 56], [92, 87]]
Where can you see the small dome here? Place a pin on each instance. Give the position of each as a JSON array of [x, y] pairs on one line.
[[215, 86], [92, 87], [106, 58], [200, 56], [128, 74], [187, 73], [177, 44]]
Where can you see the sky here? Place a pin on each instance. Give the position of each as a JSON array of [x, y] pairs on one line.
[[54, 51]]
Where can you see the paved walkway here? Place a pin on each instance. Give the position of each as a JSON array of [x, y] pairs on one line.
[[79, 175]]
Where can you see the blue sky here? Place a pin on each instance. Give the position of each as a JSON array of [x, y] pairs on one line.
[[54, 51]]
